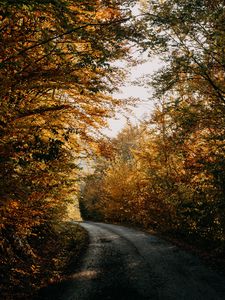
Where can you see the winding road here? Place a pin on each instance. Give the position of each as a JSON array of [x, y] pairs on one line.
[[123, 263]]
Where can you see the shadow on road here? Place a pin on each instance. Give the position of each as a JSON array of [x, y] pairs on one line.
[[57, 292]]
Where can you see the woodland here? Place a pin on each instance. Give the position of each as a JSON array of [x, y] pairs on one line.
[[58, 75]]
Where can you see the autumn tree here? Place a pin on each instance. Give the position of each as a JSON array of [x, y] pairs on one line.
[[190, 38], [111, 192], [56, 74]]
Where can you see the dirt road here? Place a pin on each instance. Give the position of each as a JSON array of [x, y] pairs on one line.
[[123, 263]]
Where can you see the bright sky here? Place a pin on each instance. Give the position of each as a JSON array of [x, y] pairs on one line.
[[130, 90]]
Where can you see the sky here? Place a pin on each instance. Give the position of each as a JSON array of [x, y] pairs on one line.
[[131, 90]]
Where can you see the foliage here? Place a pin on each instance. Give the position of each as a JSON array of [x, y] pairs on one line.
[[56, 74], [170, 176], [165, 185]]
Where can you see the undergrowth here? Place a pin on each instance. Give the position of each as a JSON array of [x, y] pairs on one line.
[[56, 251]]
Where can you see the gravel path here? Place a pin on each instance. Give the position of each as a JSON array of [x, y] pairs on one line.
[[126, 264]]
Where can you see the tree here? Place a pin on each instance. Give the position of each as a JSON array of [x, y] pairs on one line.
[[190, 38], [56, 76]]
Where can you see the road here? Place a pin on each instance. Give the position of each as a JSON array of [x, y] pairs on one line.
[[123, 263]]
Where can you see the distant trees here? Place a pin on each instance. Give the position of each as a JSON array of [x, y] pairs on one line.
[[164, 185]]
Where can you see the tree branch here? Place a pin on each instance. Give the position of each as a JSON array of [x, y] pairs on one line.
[[61, 35], [41, 110]]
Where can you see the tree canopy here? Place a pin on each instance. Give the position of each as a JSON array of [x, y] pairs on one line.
[[57, 76], [167, 174]]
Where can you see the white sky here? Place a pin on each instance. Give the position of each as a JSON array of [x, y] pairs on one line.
[[130, 90]]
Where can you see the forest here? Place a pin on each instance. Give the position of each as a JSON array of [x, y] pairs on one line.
[[58, 76]]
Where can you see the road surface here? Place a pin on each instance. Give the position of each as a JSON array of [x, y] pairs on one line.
[[126, 264]]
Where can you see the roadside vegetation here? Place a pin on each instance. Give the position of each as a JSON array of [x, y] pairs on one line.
[[56, 252]]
